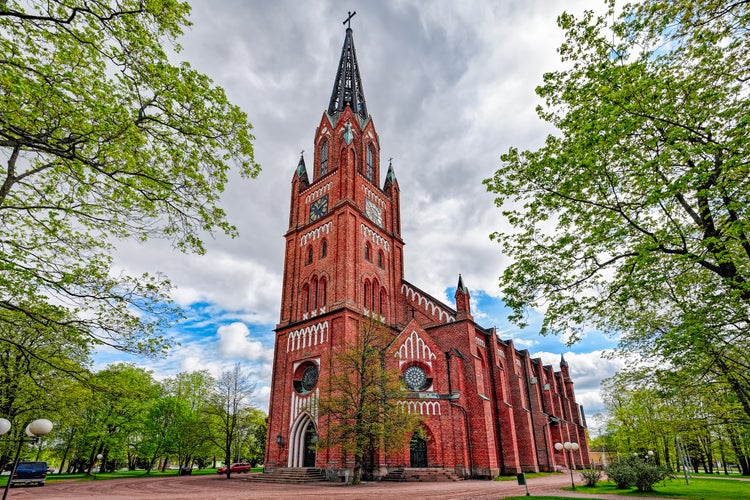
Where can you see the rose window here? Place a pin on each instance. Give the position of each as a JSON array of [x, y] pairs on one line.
[[416, 378]]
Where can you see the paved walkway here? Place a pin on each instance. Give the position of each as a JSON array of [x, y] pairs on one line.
[[237, 488]]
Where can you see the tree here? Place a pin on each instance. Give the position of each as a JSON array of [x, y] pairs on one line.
[[634, 218], [250, 442], [165, 421], [193, 442], [651, 410], [103, 138], [40, 376], [116, 415], [360, 400], [231, 397]]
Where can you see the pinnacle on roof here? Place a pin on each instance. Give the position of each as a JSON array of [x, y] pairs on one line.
[[347, 88], [301, 169], [390, 177], [460, 284]]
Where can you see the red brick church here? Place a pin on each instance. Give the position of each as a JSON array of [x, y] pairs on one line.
[[487, 407]]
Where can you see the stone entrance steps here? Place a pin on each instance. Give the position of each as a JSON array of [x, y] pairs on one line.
[[422, 475], [290, 475]]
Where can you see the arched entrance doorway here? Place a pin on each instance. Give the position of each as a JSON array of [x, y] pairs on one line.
[[418, 451], [311, 441], [302, 442]]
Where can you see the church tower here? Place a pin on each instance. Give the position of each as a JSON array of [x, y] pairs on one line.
[[343, 261]]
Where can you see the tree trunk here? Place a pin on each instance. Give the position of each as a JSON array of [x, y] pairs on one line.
[[357, 476]]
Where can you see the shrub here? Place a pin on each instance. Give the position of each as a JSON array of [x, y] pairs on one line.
[[591, 476], [635, 471], [647, 475], [621, 472]]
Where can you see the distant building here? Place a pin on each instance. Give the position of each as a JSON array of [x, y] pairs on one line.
[[488, 407]]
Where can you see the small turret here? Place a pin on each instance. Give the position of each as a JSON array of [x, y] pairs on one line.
[[301, 173], [390, 178], [463, 300]]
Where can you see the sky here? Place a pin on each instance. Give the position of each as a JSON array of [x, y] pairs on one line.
[[450, 87]]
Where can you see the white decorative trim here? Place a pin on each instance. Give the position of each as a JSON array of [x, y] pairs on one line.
[[374, 314], [318, 192], [500, 353], [316, 233], [307, 403], [429, 307], [307, 337], [480, 342], [414, 348], [375, 237], [313, 313], [421, 407], [373, 196]]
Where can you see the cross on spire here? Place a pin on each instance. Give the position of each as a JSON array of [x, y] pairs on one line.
[[348, 20]]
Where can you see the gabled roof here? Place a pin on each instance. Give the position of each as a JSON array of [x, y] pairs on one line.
[[347, 88]]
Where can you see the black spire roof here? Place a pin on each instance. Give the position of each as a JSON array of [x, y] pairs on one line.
[[347, 89]]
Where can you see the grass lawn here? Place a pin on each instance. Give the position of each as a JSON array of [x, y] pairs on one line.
[[698, 489], [544, 498], [117, 475]]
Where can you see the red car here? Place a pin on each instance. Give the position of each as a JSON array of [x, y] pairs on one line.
[[235, 467]]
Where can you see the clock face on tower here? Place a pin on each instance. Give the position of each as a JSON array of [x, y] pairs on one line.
[[318, 208], [373, 212]]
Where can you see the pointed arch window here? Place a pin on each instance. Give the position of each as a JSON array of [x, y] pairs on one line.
[[380, 259], [370, 171], [309, 255], [305, 298], [368, 252], [374, 295], [322, 296], [314, 293], [324, 158], [323, 249], [383, 306], [367, 294]]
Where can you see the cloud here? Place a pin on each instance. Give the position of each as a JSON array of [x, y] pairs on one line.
[[587, 370], [234, 342]]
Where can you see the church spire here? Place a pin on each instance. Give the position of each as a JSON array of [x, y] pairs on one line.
[[347, 88]]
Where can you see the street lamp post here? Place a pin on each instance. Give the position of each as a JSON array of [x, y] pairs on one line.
[[34, 431], [571, 447], [98, 459]]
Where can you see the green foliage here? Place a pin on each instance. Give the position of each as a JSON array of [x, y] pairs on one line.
[[104, 138], [591, 477], [635, 471], [621, 471], [651, 409], [125, 415], [716, 488], [633, 218]]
